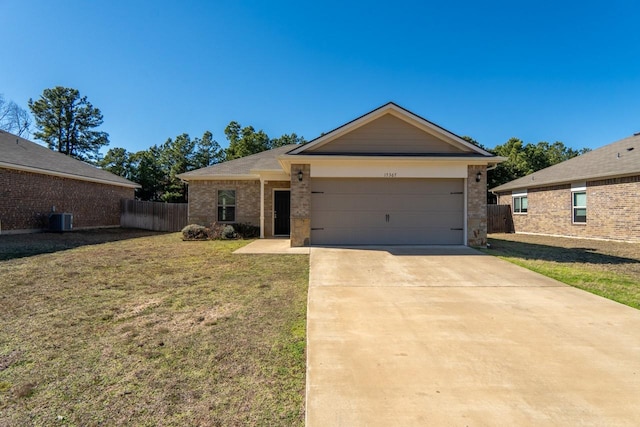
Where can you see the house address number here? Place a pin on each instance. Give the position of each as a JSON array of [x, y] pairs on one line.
[[390, 174]]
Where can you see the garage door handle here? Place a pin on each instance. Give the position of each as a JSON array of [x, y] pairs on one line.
[[456, 229], [387, 217]]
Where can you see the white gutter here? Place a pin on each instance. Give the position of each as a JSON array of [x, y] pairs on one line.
[[67, 175]]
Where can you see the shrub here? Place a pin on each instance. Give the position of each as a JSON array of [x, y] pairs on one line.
[[215, 231], [247, 231], [195, 232], [229, 233]]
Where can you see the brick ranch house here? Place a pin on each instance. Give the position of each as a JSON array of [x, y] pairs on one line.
[[387, 177], [594, 195], [36, 179]]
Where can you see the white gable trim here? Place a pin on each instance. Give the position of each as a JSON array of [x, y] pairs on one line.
[[400, 113]]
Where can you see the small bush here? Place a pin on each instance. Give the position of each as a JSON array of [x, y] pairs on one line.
[[229, 232], [215, 231], [195, 232], [247, 231]]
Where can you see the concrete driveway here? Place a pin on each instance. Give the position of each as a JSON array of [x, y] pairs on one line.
[[450, 337]]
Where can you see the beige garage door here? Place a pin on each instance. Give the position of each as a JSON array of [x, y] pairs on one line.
[[387, 211]]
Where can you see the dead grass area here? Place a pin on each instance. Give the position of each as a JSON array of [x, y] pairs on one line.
[[24, 245], [151, 331], [609, 269]]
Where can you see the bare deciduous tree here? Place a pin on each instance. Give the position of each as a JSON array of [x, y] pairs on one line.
[[14, 118]]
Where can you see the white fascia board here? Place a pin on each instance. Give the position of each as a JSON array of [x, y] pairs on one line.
[[286, 159], [66, 175]]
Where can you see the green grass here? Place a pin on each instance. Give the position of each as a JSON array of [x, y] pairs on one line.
[[152, 331], [608, 269]]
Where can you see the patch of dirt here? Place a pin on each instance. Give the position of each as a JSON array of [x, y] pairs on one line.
[[7, 360]]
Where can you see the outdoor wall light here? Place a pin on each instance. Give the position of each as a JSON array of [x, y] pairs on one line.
[[300, 175], [478, 176]]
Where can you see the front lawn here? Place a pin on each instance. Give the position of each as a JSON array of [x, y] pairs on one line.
[[608, 269], [149, 331]]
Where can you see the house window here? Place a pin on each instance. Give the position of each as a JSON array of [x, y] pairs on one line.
[[226, 205], [579, 207], [520, 203]]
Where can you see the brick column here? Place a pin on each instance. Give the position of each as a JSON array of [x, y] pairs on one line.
[[300, 206], [477, 206]]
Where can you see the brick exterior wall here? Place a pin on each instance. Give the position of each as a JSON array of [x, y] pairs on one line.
[[300, 206], [26, 200], [613, 211], [203, 201], [476, 206]]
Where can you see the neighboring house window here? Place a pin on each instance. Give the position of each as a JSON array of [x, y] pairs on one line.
[[226, 205], [520, 203], [579, 205]]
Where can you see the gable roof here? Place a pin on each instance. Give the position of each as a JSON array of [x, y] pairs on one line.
[[21, 154], [621, 158], [446, 137], [244, 167]]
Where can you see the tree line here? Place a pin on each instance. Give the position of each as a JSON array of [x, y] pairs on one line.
[[67, 123], [156, 168]]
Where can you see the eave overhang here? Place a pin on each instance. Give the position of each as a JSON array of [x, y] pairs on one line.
[[66, 175]]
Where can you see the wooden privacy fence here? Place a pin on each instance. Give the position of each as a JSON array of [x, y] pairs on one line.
[[499, 219], [155, 216]]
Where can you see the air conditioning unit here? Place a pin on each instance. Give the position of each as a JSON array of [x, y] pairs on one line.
[[60, 222]]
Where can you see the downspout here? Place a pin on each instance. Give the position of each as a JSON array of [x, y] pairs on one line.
[[261, 207]]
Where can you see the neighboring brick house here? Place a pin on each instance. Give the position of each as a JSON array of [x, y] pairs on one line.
[[35, 180], [595, 195], [387, 177]]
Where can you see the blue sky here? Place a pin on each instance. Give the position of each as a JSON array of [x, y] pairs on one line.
[[541, 70]]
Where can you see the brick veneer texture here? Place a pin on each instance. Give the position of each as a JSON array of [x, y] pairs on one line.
[[613, 211], [300, 206], [476, 206], [26, 200], [203, 201]]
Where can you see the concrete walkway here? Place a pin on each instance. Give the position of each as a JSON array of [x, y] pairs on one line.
[[271, 246], [451, 337]]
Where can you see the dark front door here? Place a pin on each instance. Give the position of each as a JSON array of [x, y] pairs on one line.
[[281, 208]]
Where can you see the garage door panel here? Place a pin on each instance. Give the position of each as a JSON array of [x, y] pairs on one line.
[[387, 211], [396, 219], [338, 219], [385, 186], [377, 202]]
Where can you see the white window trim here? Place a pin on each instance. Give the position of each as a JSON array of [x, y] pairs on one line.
[[235, 209], [519, 195], [578, 188]]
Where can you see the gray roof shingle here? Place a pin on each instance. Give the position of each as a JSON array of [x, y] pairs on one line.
[[621, 158], [22, 154], [265, 160]]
